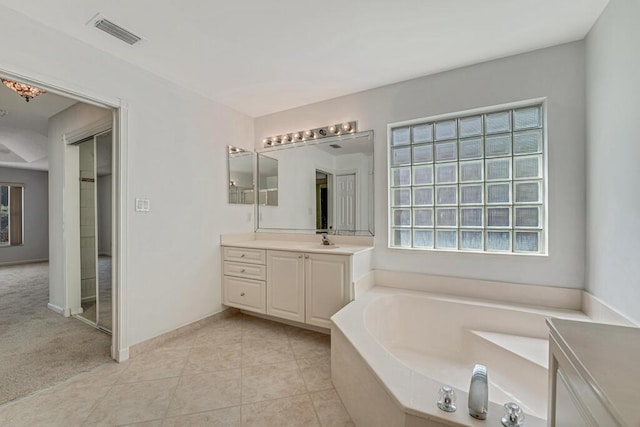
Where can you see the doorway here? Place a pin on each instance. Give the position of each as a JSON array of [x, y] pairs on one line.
[[95, 172], [64, 297], [323, 201]]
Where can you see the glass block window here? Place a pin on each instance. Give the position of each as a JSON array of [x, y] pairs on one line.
[[469, 183]]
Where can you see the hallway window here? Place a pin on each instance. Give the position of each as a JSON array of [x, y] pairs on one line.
[[11, 220], [469, 182]]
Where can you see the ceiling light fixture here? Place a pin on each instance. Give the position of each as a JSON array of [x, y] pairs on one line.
[[24, 90], [311, 134]]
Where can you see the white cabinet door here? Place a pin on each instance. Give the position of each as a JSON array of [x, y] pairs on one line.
[[285, 285], [327, 287]]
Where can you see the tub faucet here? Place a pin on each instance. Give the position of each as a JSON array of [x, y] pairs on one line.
[[325, 240], [479, 393]]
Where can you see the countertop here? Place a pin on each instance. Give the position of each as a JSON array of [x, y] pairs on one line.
[[608, 358], [300, 246]]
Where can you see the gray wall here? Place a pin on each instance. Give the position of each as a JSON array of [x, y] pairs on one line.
[[613, 155], [556, 73], [36, 210]]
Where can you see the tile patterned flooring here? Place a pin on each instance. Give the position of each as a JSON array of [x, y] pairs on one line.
[[238, 371]]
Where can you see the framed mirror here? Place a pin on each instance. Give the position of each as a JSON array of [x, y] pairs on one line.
[[323, 186], [267, 181], [240, 167]]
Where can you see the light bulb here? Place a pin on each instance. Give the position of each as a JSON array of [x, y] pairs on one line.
[[309, 134], [334, 129], [297, 136], [346, 126], [286, 138]]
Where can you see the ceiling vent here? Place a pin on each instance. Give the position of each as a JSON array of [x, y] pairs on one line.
[[116, 31]]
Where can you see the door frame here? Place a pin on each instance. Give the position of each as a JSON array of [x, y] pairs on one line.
[[120, 126], [330, 202]]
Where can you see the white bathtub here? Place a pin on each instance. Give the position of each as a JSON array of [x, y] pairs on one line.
[[393, 349]]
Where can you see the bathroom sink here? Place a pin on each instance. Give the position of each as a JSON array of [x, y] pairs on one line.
[[321, 246]]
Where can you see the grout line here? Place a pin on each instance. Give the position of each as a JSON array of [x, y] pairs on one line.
[[195, 413], [315, 411], [242, 320], [173, 392], [97, 402], [341, 402]]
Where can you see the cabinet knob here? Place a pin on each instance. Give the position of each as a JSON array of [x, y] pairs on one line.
[[299, 256], [306, 257], [242, 271], [241, 255], [241, 294]]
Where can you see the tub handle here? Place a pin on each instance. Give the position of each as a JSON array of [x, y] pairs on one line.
[[514, 417]]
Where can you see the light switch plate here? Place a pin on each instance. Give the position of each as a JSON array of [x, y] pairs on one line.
[[143, 205]]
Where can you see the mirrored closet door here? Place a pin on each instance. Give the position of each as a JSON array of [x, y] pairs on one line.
[[96, 229]]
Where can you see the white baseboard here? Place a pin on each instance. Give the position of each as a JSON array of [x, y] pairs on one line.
[[29, 261], [57, 309], [602, 312], [66, 312], [120, 356]]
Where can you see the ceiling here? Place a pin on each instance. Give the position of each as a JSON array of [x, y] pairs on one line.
[[23, 129], [265, 56]]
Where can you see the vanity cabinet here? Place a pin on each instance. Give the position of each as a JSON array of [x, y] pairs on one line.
[[244, 279], [307, 287], [294, 280], [593, 374]]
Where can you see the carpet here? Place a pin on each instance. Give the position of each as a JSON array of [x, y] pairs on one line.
[[39, 348]]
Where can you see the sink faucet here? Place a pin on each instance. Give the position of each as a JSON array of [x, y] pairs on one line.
[[479, 393], [325, 240]]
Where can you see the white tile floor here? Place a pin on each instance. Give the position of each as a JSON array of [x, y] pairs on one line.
[[239, 371]]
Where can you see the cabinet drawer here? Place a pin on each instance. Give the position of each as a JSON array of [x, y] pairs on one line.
[[253, 256], [246, 294], [242, 269]]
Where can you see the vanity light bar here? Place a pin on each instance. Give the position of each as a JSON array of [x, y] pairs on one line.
[[311, 134]]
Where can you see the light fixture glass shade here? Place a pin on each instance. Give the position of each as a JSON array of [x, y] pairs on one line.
[[25, 91]]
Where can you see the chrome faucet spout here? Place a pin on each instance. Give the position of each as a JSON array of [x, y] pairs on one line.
[[479, 393], [325, 240]]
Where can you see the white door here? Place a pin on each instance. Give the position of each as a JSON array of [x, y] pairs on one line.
[[285, 285], [327, 287], [346, 202]]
